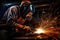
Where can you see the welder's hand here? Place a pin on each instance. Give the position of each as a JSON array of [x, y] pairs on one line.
[[27, 28]]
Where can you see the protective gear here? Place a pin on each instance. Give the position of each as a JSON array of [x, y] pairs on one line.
[[26, 8], [5, 11], [5, 6]]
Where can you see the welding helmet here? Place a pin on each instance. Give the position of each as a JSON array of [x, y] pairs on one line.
[[26, 8]]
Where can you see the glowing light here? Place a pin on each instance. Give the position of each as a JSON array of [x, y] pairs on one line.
[[38, 31]]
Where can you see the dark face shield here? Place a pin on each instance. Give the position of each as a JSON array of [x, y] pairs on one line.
[[27, 10]]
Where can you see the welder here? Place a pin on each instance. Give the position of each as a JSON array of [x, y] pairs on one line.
[[16, 16]]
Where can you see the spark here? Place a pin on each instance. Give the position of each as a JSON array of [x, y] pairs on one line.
[[38, 31]]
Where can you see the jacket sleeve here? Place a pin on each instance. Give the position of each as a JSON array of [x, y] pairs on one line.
[[10, 15]]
